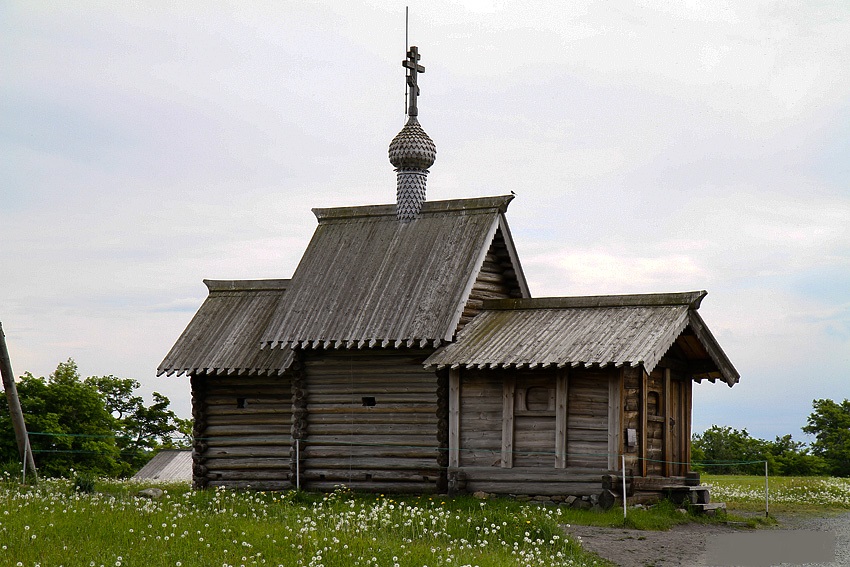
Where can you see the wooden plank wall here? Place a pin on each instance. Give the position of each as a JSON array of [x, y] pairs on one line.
[[587, 419], [480, 419], [533, 467], [534, 419], [391, 446], [242, 430]]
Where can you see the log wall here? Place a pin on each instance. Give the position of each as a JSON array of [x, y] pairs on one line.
[[372, 421], [497, 279], [242, 431], [632, 417], [655, 423]]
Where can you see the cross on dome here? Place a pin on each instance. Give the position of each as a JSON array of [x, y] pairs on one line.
[[413, 69]]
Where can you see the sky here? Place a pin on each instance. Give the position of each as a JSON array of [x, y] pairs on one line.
[[653, 146]]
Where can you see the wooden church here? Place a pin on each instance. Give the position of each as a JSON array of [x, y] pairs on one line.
[[406, 354]]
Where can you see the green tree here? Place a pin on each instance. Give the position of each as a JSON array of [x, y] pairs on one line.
[[791, 458], [71, 427], [830, 424], [97, 425], [724, 450], [140, 429]]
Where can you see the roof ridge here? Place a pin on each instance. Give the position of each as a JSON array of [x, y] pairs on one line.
[[247, 285], [499, 203], [690, 298]]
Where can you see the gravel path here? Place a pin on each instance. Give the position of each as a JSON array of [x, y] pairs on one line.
[[821, 542]]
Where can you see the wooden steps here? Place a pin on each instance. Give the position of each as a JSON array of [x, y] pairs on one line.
[[711, 509], [696, 497]]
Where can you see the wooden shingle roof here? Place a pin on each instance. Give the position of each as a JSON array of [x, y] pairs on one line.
[[597, 331], [224, 335], [367, 279]]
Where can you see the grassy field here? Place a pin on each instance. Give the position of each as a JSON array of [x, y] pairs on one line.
[[792, 494], [52, 524]]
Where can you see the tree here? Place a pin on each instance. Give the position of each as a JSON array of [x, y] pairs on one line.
[[97, 425], [141, 429], [70, 427], [787, 457], [724, 450], [830, 424], [728, 451]]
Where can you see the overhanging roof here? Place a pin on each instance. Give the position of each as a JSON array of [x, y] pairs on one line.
[[367, 279], [634, 330], [224, 335]]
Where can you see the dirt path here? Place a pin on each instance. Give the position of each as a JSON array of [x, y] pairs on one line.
[[679, 546], [822, 541]]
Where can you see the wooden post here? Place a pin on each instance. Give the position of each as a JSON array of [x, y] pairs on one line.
[[18, 423], [667, 436], [644, 392], [454, 417], [686, 437], [509, 390], [561, 406], [614, 405]]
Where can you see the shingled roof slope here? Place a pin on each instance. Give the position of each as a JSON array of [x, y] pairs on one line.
[[224, 335], [367, 279], [583, 331]]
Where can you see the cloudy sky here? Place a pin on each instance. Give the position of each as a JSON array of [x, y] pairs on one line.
[[653, 146]]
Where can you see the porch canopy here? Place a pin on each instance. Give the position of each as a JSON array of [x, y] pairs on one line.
[[590, 331]]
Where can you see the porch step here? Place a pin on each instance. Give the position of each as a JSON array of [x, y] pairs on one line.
[[711, 509], [687, 494]]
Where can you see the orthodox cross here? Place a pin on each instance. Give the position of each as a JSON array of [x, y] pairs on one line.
[[413, 69]]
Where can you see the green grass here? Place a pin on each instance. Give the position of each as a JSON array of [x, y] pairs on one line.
[[793, 494], [52, 524]]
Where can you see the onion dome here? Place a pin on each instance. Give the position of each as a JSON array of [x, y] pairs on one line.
[[412, 148]]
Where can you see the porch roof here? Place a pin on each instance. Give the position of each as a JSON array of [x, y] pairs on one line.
[[594, 331]]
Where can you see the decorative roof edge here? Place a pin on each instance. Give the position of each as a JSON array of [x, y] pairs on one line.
[[247, 285], [690, 298], [497, 203], [715, 351]]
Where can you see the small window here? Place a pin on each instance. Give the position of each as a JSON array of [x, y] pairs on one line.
[[369, 401], [241, 403], [538, 399]]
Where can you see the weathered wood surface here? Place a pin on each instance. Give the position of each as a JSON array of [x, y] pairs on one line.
[[587, 419], [480, 418], [508, 393], [370, 447], [496, 280], [394, 487], [238, 445], [632, 405], [268, 485], [655, 429], [454, 418]]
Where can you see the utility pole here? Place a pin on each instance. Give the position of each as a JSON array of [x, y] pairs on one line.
[[15, 405]]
